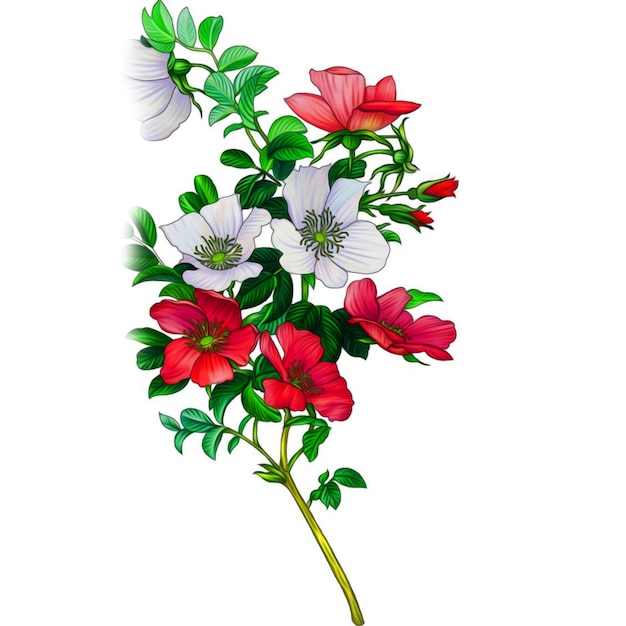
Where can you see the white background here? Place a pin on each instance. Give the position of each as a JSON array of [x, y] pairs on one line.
[[496, 481]]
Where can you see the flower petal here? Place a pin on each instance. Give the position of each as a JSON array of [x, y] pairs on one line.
[[395, 107], [180, 358], [343, 200], [296, 259], [177, 316], [207, 278], [282, 395], [385, 89], [149, 97], [187, 232], [361, 299], [163, 125], [384, 337], [219, 309], [144, 63], [392, 305], [211, 368], [299, 345], [335, 401], [225, 217], [432, 335], [364, 250], [377, 114], [270, 352], [240, 344], [330, 273], [314, 110], [251, 229], [342, 88], [306, 189]]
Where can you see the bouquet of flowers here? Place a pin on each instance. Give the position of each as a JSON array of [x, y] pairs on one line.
[[241, 320]]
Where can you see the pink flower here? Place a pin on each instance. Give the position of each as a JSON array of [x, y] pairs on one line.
[[212, 336], [347, 103], [385, 320], [304, 378]]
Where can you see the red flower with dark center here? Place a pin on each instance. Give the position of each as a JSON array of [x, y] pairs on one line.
[[212, 337], [304, 378], [385, 320], [346, 103]]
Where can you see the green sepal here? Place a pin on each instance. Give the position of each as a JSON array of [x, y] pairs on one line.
[[159, 388]]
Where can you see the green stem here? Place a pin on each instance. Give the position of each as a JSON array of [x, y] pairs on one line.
[[372, 153], [260, 131], [255, 445], [390, 194], [294, 458], [305, 290], [351, 160], [253, 141], [203, 66], [194, 49]]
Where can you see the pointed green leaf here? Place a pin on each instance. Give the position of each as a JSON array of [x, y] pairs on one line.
[[237, 158], [244, 423], [150, 358], [206, 189], [290, 147], [256, 407], [244, 187], [224, 393], [159, 388], [261, 192], [235, 58], [282, 169], [138, 258], [158, 272], [323, 477], [286, 124], [169, 422], [178, 292], [313, 439], [411, 358], [211, 441], [283, 296], [190, 202], [419, 297], [209, 31], [270, 477], [331, 495], [196, 421], [220, 112], [145, 225], [267, 257], [181, 435], [389, 235], [162, 18], [232, 444], [219, 87], [341, 169], [149, 337], [262, 73], [156, 29], [186, 28], [349, 478], [255, 291], [232, 128]]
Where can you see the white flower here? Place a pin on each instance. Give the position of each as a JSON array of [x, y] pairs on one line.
[[324, 235], [218, 241], [157, 102]]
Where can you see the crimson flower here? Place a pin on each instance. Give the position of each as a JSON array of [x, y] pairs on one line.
[[433, 190], [212, 335], [347, 103], [385, 320], [421, 218], [304, 378]]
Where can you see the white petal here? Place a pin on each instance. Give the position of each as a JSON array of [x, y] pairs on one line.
[[186, 232], [150, 97], [296, 259], [306, 189], [224, 216], [330, 273], [344, 199], [163, 125], [251, 229], [364, 251], [218, 280], [144, 63]]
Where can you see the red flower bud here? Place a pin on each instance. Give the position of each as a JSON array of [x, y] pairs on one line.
[[433, 190]]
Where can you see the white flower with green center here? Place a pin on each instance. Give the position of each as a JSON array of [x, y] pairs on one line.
[[324, 235], [218, 242]]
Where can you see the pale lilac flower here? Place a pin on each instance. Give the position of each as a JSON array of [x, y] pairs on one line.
[[218, 242], [324, 235], [157, 102]]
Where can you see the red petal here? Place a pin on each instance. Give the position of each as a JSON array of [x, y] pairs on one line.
[[211, 368], [299, 345], [394, 107], [177, 316], [377, 114], [432, 331], [381, 335], [270, 352], [179, 361], [335, 402], [342, 88], [385, 89], [314, 110], [392, 305], [443, 189], [361, 299], [240, 344], [282, 395], [219, 309]]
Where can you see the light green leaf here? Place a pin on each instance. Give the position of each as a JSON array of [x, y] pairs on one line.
[[211, 441], [206, 189], [286, 124], [219, 87], [220, 112], [181, 435], [290, 147], [190, 202], [389, 235], [419, 297], [163, 20], [196, 421], [235, 58], [186, 28], [256, 407], [158, 272], [263, 74], [209, 31], [156, 29], [169, 422]]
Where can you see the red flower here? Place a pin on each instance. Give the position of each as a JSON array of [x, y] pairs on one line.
[[212, 336], [433, 190], [304, 377], [421, 218], [391, 327], [347, 104]]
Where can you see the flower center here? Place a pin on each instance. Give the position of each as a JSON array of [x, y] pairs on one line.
[[208, 336], [301, 379], [218, 253], [322, 233], [395, 329]]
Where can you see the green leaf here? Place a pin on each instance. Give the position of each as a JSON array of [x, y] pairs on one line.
[[244, 187], [211, 441], [411, 358], [181, 435], [149, 337], [235, 58], [243, 423], [156, 29], [283, 296], [196, 421], [246, 102], [331, 495], [267, 257], [159, 388], [209, 31], [179, 292], [351, 335], [233, 443], [150, 358], [145, 225], [162, 18], [389, 235], [262, 73], [260, 193], [169, 422], [219, 87], [341, 169], [158, 272], [309, 279], [232, 128], [255, 291], [286, 124], [323, 477], [290, 147], [419, 297], [271, 477], [349, 478], [224, 393], [138, 258], [206, 189], [190, 202], [256, 407], [127, 231], [237, 158], [258, 319], [282, 169], [186, 28], [162, 47], [263, 370], [316, 493], [220, 112], [305, 420], [320, 321], [313, 439]]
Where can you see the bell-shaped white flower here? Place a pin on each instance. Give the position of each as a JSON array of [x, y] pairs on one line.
[[324, 235], [218, 242], [156, 100]]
